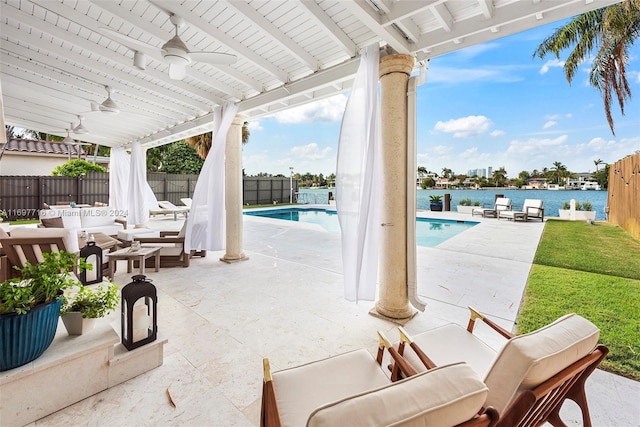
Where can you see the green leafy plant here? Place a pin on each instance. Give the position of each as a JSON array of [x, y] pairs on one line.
[[465, 202], [587, 206], [77, 167], [91, 303], [476, 203], [566, 205], [39, 283], [435, 198]]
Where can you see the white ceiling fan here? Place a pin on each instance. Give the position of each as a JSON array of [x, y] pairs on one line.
[[108, 106], [174, 52]]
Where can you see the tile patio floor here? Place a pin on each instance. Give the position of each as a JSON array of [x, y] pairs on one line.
[[286, 303]]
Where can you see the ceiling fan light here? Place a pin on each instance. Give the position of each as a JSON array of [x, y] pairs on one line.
[[109, 107], [176, 56], [139, 60], [68, 140], [80, 129]]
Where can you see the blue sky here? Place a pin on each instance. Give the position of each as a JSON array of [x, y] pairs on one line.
[[487, 105]]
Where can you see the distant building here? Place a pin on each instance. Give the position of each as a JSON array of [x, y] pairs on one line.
[[34, 157], [489, 172]]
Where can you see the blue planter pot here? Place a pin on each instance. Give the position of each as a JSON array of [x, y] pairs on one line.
[[24, 337]]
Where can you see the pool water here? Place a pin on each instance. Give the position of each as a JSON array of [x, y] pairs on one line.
[[429, 232]]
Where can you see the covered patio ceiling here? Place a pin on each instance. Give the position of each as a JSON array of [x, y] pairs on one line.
[[57, 56]]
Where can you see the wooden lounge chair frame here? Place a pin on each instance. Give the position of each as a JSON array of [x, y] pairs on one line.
[[270, 415], [541, 404], [30, 247]]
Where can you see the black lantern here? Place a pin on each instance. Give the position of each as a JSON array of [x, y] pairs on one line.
[[92, 254], [139, 317]]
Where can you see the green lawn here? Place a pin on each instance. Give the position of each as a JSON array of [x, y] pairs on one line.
[[592, 270]]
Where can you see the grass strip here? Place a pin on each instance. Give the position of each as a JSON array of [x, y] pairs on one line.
[[592, 270], [597, 248], [610, 302]]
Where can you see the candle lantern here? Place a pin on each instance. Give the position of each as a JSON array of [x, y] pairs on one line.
[[92, 254], [139, 319]]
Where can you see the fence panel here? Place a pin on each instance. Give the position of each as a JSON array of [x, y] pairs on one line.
[[623, 197], [21, 197]]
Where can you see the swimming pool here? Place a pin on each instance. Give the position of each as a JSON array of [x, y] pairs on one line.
[[429, 232]]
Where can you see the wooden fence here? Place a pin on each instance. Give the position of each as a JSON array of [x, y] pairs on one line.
[[623, 198], [22, 197]]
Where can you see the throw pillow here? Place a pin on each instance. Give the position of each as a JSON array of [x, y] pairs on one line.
[[52, 222]]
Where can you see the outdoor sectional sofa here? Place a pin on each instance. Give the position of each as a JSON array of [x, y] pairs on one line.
[[91, 219]]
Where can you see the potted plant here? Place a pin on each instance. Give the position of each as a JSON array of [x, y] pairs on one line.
[[30, 307], [576, 211], [435, 203], [81, 308], [465, 206]]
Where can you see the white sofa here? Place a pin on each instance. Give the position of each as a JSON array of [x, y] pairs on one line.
[[91, 220]]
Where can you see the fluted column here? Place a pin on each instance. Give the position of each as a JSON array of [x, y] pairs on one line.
[[393, 299], [233, 191]]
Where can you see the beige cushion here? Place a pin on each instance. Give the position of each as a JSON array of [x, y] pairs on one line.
[[503, 203], [534, 206], [97, 217], [528, 360], [302, 389], [166, 249], [445, 396], [451, 344], [70, 237]]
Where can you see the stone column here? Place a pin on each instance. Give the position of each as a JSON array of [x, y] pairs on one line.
[[233, 191], [393, 300]]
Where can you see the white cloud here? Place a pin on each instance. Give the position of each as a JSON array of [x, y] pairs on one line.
[[311, 151], [458, 75], [464, 127], [255, 125], [549, 124], [497, 132], [549, 64], [328, 110]]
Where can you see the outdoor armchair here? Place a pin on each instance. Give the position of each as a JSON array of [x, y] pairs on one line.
[[531, 209], [530, 377], [352, 389], [501, 204]]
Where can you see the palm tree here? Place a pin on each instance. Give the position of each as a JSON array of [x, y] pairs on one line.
[[202, 143], [598, 162], [611, 29], [499, 176], [559, 171]]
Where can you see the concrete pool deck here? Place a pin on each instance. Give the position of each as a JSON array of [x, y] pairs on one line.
[[286, 303]]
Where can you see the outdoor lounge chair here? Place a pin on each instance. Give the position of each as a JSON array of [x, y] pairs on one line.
[[530, 377], [352, 389], [168, 208], [531, 209], [187, 201], [171, 245], [501, 204]]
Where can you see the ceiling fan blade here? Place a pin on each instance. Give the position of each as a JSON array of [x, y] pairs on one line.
[[130, 42], [214, 57], [177, 71]]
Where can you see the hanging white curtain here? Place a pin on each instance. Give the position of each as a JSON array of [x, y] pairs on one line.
[[357, 178], [3, 136], [141, 197], [119, 167], [206, 227]]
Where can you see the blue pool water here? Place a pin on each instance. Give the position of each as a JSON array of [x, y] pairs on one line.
[[429, 232]]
